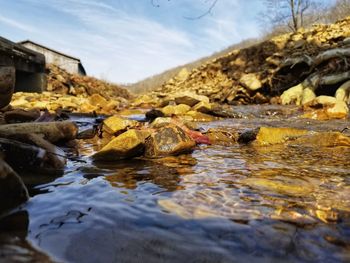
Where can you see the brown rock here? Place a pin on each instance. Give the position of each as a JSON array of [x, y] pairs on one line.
[[169, 140], [97, 100], [222, 136], [189, 98], [12, 190]]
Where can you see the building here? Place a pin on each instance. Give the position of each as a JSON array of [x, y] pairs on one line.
[[70, 64]]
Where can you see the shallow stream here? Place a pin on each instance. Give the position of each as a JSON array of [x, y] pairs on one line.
[[235, 203]]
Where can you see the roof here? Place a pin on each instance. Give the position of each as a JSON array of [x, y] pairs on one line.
[[42, 46]]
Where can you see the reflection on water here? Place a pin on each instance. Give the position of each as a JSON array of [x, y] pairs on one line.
[[235, 203]]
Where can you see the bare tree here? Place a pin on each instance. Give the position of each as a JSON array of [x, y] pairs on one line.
[[340, 9], [290, 13]]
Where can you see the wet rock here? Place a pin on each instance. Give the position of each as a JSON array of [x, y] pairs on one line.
[[169, 140], [222, 136], [200, 117], [171, 110], [225, 111], [248, 136], [19, 115], [323, 139], [189, 98], [161, 122], [12, 190], [250, 81], [270, 135], [116, 124], [127, 145]]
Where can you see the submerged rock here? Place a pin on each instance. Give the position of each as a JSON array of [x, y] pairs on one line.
[[270, 135], [12, 190], [169, 140], [222, 137], [127, 145]]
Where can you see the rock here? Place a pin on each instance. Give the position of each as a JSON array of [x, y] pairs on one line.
[[324, 139], [19, 115], [7, 85], [222, 137], [307, 96], [161, 122], [20, 102], [116, 124], [127, 145], [169, 140], [199, 116], [325, 108], [97, 100], [250, 81], [293, 95], [153, 114], [224, 111], [182, 75], [248, 136], [270, 135], [189, 98], [171, 110], [204, 107], [12, 190]]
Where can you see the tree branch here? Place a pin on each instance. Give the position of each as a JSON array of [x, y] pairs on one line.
[[205, 13]]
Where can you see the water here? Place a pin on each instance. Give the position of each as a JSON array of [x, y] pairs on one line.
[[235, 203]]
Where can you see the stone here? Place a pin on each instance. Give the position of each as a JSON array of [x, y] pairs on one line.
[[293, 95], [326, 108], [202, 106], [324, 139], [250, 81], [222, 136], [182, 75], [127, 145], [189, 98], [20, 102], [12, 189], [19, 115], [161, 122], [200, 117], [7, 85], [271, 135], [153, 114], [307, 96], [116, 124], [97, 100], [168, 140], [171, 110]]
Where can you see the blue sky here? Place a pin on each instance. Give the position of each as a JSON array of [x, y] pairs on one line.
[[127, 40]]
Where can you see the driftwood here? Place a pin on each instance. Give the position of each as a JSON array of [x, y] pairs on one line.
[[52, 131]]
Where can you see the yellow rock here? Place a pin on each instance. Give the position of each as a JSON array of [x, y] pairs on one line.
[[270, 135], [97, 100], [324, 139], [222, 137], [175, 110], [117, 124], [199, 116], [250, 81], [293, 95], [127, 145], [20, 102], [189, 98], [203, 107]]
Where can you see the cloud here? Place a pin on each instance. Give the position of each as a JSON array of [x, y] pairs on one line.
[[14, 23]]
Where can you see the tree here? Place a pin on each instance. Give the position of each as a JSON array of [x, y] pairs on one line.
[[340, 9], [290, 13]]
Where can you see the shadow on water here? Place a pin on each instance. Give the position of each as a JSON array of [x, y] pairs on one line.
[[218, 204]]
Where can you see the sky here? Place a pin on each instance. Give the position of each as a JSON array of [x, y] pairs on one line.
[[125, 41]]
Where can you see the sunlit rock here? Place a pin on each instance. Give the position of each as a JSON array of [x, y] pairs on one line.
[[325, 108], [127, 145], [116, 124], [250, 81], [97, 100], [293, 95], [270, 135], [189, 98], [180, 109], [204, 107], [12, 190], [169, 140]]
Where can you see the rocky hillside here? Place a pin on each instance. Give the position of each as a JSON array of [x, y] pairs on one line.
[[62, 82], [318, 56]]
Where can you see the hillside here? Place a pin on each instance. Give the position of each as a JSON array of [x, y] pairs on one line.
[[257, 73]]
